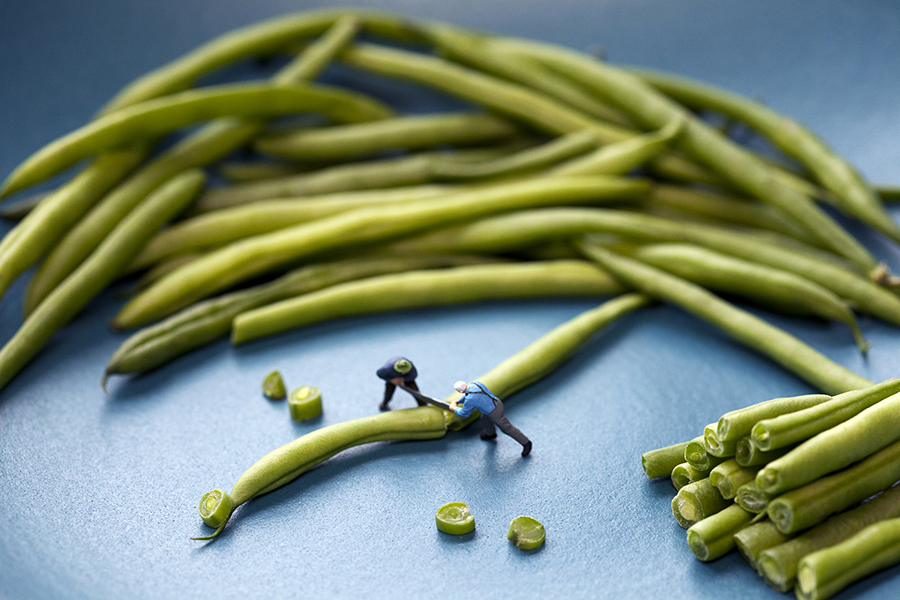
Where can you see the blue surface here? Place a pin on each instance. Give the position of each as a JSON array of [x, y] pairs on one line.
[[99, 494]]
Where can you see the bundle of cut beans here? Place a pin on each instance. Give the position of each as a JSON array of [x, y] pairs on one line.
[[805, 487], [571, 178]]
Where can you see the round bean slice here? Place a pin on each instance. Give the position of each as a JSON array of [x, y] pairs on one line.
[[305, 403], [273, 386], [526, 533], [454, 518]]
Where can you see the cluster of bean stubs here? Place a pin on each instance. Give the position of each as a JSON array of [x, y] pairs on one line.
[[565, 177]]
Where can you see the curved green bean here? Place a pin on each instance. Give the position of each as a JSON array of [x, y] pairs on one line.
[[418, 289], [780, 346], [225, 267], [157, 117], [409, 132], [209, 320], [210, 143], [96, 272], [854, 195]]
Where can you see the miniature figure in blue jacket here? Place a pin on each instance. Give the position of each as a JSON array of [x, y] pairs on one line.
[[477, 396], [397, 370]]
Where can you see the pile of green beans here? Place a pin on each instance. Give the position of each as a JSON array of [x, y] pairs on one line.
[[368, 210]]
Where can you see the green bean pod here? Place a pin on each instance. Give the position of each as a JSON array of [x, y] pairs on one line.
[[771, 287], [225, 267], [418, 289], [414, 132], [696, 454], [210, 320], [288, 462], [835, 448], [684, 474], [98, 271], [783, 430], [19, 209], [855, 196], [660, 462], [778, 564], [154, 118], [748, 454], [826, 572], [753, 539], [713, 537], [748, 329], [715, 446], [697, 501], [811, 504], [738, 423], [751, 498]]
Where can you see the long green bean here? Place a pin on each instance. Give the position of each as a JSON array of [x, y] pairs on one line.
[[702, 143], [96, 272], [780, 431], [748, 454], [755, 538], [210, 143], [750, 330], [414, 132], [835, 448], [771, 287], [209, 320], [855, 196], [778, 564], [737, 424], [811, 504], [225, 267], [826, 572], [417, 289]]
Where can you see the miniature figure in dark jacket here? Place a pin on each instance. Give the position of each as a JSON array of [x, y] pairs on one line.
[[397, 370]]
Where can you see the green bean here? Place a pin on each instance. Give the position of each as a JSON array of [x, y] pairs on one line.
[[260, 39], [454, 518], [780, 431], [291, 460], [738, 423], [520, 103], [795, 140], [211, 319], [827, 572], [305, 403], [19, 209], [417, 289], [696, 501], [748, 329], [729, 476], [96, 272], [526, 533], [515, 231], [771, 287], [702, 143], [715, 446], [755, 538], [660, 462], [621, 157], [713, 537], [157, 117], [811, 504], [778, 564], [412, 132], [751, 498], [225, 267], [696, 455], [210, 143], [246, 171], [219, 228], [684, 474], [37, 232], [888, 193], [748, 454], [835, 448], [534, 362], [156, 272], [273, 386]]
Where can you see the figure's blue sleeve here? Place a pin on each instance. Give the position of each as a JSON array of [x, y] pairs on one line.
[[463, 409]]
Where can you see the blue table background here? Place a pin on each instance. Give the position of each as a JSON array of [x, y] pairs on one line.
[[98, 494]]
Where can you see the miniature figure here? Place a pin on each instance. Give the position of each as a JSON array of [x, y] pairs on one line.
[[397, 371], [477, 396]]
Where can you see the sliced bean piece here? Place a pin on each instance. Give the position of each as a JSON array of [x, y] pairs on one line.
[[715, 446], [685, 474], [305, 403], [526, 533], [696, 455], [748, 329], [225, 267], [417, 289], [96, 273], [729, 476], [454, 518]]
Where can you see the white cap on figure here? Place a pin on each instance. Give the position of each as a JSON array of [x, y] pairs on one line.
[[460, 386]]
